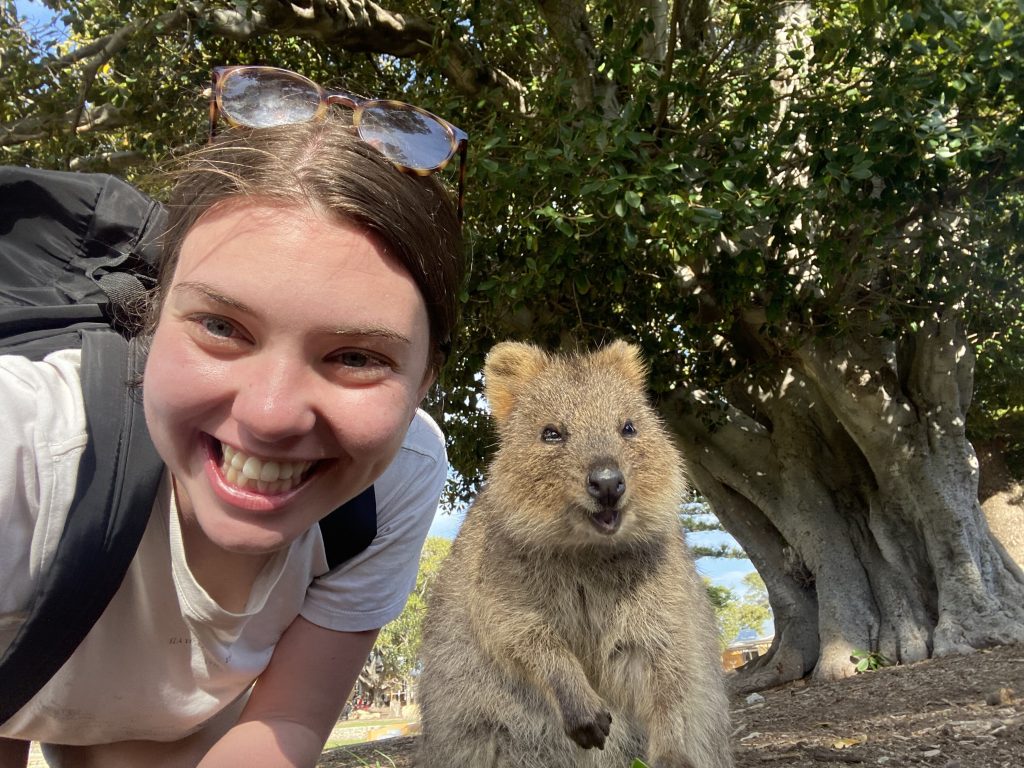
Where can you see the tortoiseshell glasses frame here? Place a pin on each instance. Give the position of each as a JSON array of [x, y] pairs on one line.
[[414, 140]]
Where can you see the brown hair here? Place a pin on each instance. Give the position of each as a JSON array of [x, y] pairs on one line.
[[325, 166]]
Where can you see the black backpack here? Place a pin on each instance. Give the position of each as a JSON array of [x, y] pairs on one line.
[[76, 251]]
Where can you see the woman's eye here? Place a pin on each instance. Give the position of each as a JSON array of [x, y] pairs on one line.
[[217, 326], [364, 361], [354, 359]]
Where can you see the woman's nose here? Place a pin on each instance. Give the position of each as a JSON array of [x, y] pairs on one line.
[[272, 401]]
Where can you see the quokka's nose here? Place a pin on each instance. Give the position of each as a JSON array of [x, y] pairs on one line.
[[606, 484]]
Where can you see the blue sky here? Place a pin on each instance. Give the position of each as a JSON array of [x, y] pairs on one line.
[[33, 11]]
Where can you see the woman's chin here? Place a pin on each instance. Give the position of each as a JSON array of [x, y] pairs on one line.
[[246, 539]]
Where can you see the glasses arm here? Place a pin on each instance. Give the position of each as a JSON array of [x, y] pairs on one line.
[[213, 107]]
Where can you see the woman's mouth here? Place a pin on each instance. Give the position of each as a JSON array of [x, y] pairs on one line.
[[268, 476]]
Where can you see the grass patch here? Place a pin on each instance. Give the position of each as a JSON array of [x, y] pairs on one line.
[[369, 723], [339, 738]]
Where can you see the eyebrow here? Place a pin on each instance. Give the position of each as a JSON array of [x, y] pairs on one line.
[[373, 331], [213, 295]]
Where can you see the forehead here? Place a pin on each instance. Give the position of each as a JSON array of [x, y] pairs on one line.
[[295, 259], [256, 230], [260, 216]]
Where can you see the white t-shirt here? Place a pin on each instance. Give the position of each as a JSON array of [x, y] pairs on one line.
[[164, 657]]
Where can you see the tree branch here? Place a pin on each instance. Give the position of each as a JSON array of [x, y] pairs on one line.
[[107, 161], [115, 43], [736, 451], [567, 22], [102, 117], [362, 26], [667, 64], [106, 47]]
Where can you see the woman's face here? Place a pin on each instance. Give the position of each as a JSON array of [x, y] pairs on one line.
[[288, 360]]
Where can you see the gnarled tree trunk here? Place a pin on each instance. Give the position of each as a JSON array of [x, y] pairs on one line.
[[848, 479]]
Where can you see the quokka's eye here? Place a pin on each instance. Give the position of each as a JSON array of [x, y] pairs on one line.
[[628, 430], [550, 435]]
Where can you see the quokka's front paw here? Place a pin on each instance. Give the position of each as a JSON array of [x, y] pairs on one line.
[[589, 729]]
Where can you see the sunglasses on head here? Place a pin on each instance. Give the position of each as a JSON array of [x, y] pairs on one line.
[[414, 140]]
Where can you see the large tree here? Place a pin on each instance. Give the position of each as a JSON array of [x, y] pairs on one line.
[[810, 220]]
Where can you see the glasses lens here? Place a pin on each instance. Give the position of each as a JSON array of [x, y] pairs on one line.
[[406, 136], [264, 98]]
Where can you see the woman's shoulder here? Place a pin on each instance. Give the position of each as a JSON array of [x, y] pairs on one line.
[[424, 436], [44, 398], [421, 458], [43, 418], [416, 475]]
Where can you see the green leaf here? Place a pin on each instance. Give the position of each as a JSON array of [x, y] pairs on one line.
[[702, 213], [564, 227], [632, 199], [581, 282], [996, 29], [862, 170]]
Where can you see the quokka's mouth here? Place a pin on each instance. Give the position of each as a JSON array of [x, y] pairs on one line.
[[606, 520]]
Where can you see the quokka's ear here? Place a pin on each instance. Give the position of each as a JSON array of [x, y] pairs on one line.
[[509, 367], [625, 358]]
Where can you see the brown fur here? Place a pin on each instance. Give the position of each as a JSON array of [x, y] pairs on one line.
[[547, 637]]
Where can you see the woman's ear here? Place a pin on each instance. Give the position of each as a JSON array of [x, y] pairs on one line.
[[429, 377]]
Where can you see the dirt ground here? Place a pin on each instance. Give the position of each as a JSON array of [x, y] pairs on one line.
[[955, 712]]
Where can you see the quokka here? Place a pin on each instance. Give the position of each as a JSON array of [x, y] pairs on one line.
[[568, 627]]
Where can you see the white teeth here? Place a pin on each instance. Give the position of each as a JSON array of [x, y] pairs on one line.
[[251, 468], [268, 476]]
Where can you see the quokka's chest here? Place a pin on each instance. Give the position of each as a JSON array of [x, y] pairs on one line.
[[593, 607]]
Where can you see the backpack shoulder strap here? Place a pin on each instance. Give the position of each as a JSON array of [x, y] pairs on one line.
[[350, 528], [118, 478]]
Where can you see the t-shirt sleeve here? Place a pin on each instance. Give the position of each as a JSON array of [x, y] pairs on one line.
[[370, 590], [44, 434]]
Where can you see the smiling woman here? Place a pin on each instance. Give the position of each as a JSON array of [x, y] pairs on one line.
[[306, 299]]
